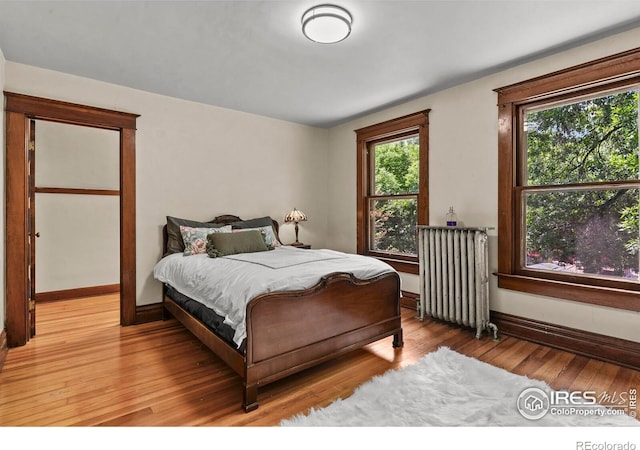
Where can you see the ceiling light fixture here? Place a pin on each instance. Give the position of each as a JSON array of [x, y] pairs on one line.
[[326, 24]]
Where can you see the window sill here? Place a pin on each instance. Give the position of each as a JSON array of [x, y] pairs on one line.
[[596, 295], [400, 265]]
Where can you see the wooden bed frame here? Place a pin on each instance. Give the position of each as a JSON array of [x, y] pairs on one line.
[[290, 331]]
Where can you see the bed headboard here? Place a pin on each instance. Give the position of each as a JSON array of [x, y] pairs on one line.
[[228, 218], [223, 219]]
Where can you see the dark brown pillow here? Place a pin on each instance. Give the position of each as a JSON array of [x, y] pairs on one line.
[[249, 241], [253, 223], [259, 222]]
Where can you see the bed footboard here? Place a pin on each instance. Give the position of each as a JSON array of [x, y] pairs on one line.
[[290, 331]]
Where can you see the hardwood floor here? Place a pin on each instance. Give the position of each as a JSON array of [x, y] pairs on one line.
[[84, 369]]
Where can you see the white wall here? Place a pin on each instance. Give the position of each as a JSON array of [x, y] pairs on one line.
[[198, 161], [73, 156], [463, 166], [2, 205], [79, 243]]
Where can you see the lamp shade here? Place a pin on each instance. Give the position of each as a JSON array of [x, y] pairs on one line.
[[326, 24], [295, 216]]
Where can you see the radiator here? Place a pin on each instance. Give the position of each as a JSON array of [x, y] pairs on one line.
[[454, 276]]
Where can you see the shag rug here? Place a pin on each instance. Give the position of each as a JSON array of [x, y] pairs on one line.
[[445, 388]]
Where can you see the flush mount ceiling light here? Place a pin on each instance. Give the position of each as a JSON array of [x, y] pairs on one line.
[[326, 24]]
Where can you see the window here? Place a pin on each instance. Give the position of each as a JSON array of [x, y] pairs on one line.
[[569, 187], [392, 189]]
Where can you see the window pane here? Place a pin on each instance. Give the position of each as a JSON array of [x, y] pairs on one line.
[[393, 225], [397, 167], [590, 232], [591, 140]]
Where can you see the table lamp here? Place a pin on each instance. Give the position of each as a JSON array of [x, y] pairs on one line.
[[295, 216]]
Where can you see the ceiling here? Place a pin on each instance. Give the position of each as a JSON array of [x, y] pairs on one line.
[[251, 55]]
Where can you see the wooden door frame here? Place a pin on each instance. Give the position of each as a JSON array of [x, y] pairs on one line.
[[19, 109]]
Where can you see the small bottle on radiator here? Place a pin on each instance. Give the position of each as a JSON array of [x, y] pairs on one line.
[[452, 218]]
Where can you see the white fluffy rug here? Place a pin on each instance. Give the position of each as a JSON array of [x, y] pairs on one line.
[[445, 388]]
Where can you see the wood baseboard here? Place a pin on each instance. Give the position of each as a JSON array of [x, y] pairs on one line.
[[69, 294], [4, 347], [148, 313], [597, 346], [409, 300]]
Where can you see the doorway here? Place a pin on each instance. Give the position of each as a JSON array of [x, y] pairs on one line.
[[21, 113], [75, 210]]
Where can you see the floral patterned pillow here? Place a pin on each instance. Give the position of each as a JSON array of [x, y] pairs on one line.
[[195, 239]]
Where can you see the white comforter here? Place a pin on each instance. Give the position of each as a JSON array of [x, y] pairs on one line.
[[227, 284]]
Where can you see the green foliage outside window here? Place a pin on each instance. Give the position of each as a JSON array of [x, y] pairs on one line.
[[394, 219], [591, 230]]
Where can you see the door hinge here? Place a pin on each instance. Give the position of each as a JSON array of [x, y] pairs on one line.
[[32, 305]]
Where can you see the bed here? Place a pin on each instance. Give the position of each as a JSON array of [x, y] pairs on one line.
[[280, 329]]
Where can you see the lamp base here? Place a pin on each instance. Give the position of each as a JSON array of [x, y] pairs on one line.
[[300, 245]]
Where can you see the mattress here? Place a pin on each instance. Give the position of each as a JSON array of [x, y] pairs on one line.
[[206, 316]]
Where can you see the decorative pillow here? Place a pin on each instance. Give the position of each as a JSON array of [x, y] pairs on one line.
[[267, 232], [175, 244], [223, 244], [195, 239], [259, 222]]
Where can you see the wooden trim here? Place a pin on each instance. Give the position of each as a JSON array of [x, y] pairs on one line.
[[361, 190], [149, 313], [19, 110], [393, 257], [577, 187], [55, 190], [58, 111], [506, 181], [393, 127], [597, 346], [16, 248], [4, 347], [411, 123], [409, 300], [585, 293], [591, 280], [394, 197], [128, 226], [401, 265], [69, 294], [423, 194], [619, 66]]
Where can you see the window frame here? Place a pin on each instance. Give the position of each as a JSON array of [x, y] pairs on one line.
[[600, 75], [416, 123]]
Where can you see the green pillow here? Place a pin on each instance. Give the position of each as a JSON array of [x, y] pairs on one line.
[[223, 244]]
